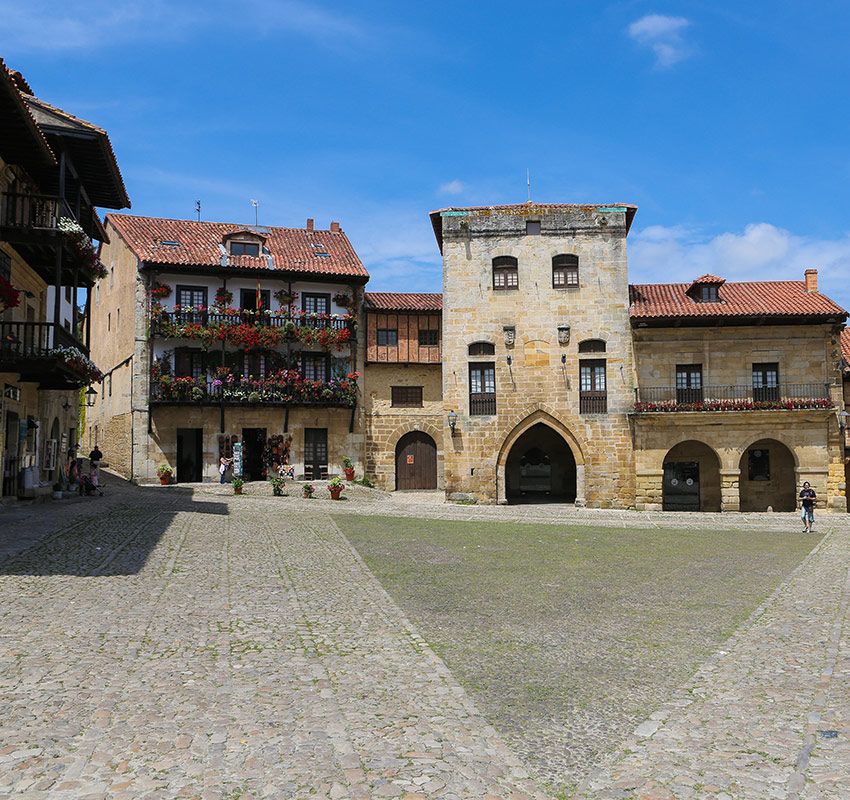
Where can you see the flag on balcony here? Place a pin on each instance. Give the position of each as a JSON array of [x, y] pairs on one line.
[[259, 297]]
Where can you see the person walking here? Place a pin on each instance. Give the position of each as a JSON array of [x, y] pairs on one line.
[[95, 455], [808, 498]]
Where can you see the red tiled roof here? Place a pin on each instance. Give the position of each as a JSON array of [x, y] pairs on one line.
[[291, 249], [744, 299], [845, 348], [403, 301], [708, 280]]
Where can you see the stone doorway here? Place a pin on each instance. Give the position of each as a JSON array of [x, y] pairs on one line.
[[416, 461], [691, 479], [540, 468], [768, 477]]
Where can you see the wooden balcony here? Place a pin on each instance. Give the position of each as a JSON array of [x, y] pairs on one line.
[[482, 403], [782, 397], [593, 402], [45, 353]]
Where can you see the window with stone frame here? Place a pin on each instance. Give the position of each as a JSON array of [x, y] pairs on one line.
[[689, 383], [482, 349], [565, 272], [505, 273], [766, 381], [593, 389], [482, 388], [406, 396]]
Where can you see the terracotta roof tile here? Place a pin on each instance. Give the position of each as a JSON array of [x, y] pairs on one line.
[[744, 299], [845, 348], [292, 249], [403, 301], [708, 280]]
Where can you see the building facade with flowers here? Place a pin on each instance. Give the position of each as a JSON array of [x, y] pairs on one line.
[[215, 334], [54, 170]]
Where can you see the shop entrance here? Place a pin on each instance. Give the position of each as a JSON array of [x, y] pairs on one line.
[[253, 445]]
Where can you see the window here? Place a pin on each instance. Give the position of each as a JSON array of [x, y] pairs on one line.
[[593, 394], [505, 273], [315, 366], [316, 303], [67, 294], [758, 465], [387, 337], [188, 363], [254, 365], [564, 271], [766, 381], [244, 249], [406, 396], [428, 337], [708, 294], [532, 227], [482, 349], [5, 265], [191, 296], [591, 346], [66, 323], [688, 383], [248, 299], [482, 388]]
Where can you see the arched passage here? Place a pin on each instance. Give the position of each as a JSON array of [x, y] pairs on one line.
[[691, 478], [540, 467], [767, 477], [416, 461]]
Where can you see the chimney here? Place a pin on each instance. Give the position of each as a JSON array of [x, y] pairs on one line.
[[309, 223], [811, 280], [335, 227]]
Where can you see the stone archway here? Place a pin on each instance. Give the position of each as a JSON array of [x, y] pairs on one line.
[[768, 477], [540, 461], [691, 480], [416, 461]]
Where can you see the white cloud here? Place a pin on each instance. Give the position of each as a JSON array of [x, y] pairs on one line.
[[760, 252], [662, 35], [451, 187], [40, 25]]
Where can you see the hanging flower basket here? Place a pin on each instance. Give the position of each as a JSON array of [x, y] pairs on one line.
[[10, 297]]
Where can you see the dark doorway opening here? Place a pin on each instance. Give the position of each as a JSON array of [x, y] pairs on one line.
[[315, 453], [253, 445], [190, 455], [416, 462], [10, 456], [681, 486], [540, 468], [768, 477], [691, 480]]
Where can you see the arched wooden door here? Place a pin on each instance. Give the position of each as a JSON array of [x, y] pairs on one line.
[[416, 462]]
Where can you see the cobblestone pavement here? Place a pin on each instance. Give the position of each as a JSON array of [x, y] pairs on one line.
[[173, 648], [768, 716]]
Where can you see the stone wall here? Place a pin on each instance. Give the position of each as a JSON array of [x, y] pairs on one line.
[[386, 424], [541, 382]]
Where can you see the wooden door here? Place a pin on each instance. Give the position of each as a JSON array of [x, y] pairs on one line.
[[315, 453], [416, 462]]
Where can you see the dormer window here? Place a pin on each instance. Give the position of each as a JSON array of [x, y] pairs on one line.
[[706, 289], [244, 248]]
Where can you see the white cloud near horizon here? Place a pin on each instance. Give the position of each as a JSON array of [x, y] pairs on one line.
[[663, 36], [760, 251], [452, 187]]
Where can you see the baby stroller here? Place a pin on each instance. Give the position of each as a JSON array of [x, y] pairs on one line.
[[90, 484]]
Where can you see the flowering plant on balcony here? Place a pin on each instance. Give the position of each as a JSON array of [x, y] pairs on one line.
[[285, 297], [788, 404], [159, 291], [344, 301], [77, 360], [10, 297], [223, 297], [83, 253], [325, 337]]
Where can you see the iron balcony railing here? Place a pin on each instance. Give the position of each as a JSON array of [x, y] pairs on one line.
[[732, 398], [164, 322]]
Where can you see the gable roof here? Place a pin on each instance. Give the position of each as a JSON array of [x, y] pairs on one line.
[[295, 250], [708, 280], [403, 301], [738, 300]]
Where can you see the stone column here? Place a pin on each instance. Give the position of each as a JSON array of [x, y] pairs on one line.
[[730, 496], [581, 500]]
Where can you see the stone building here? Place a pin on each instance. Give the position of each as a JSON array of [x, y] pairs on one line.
[[54, 169], [212, 335]]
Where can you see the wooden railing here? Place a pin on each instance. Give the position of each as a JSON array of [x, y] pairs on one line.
[[34, 339], [593, 402], [733, 398], [30, 211], [482, 403]]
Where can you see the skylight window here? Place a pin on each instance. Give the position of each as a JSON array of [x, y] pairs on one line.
[[170, 243]]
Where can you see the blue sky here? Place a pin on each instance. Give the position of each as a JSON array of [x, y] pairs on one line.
[[726, 123]]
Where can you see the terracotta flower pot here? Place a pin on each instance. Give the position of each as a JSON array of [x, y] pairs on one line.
[[164, 480], [349, 473], [336, 491], [237, 490]]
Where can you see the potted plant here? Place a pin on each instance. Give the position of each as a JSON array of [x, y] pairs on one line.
[[164, 472], [348, 468], [335, 487], [223, 297], [277, 486], [308, 490], [285, 297], [237, 484]]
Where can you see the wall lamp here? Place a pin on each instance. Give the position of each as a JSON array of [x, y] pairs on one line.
[[510, 360], [563, 358], [91, 394], [452, 417]]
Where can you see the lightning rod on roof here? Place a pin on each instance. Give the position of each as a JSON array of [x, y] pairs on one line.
[[256, 204], [198, 209]]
